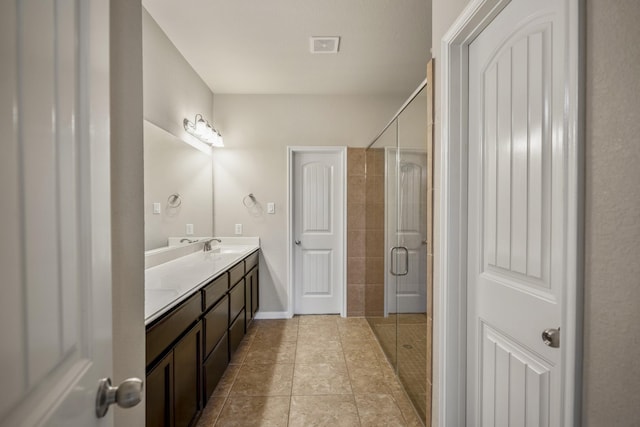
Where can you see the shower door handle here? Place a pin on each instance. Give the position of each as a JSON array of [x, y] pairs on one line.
[[394, 253]]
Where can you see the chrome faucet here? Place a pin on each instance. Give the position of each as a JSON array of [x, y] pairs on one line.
[[187, 240], [207, 244]]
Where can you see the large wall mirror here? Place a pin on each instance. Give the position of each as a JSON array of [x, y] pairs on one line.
[[178, 188]]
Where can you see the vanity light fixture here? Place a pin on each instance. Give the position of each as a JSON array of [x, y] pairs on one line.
[[201, 129]]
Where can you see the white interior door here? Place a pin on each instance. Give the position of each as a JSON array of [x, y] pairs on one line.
[[55, 310], [318, 230], [406, 232], [518, 216]]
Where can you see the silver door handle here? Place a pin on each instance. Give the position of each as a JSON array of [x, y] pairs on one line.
[[406, 261], [126, 395], [551, 337], [297, 242]]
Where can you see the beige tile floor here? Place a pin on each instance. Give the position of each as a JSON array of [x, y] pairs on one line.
[[309, 371]]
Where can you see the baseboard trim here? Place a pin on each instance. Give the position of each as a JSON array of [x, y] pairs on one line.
[[272, 315]]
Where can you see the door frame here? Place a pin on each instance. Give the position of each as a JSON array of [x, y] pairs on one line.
[[342, 151], [451, 318]]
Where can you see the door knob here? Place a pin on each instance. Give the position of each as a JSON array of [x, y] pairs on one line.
[[551, 337], [297, 242], [126, 395]]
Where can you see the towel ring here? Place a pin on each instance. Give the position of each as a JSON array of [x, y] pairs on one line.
[[249, 200], [174, 200]]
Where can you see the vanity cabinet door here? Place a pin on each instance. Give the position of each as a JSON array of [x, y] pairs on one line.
[[187, 361], [159, 394]]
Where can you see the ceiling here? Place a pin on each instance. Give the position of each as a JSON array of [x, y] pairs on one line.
[[262, 46]]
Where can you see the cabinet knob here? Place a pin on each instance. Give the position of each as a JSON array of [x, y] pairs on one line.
[[126, 395]]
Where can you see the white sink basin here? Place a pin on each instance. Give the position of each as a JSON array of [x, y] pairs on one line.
[[228, 250]]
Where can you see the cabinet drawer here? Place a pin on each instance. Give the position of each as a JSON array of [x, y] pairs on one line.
[[236, 333], [162, 334], [216, 322], [214, 367], [214, 290], [236, 300], [251, 261], [236, 273]]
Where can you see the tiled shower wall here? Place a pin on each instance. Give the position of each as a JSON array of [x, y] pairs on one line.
[[374, 276], [365, 228], [356, 231]]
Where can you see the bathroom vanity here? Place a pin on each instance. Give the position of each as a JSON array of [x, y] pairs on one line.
[[197, 310]]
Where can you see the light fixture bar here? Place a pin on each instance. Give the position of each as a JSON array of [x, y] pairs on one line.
[[201, 129]]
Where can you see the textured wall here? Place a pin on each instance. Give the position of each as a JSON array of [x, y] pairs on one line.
[[127, 239], [612, 264]]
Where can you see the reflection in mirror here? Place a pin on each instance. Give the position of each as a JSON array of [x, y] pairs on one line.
[[178, 188]]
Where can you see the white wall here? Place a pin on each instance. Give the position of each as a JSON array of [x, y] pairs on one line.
[[257, 129], [127, 239], [611, 374], [172, 89]]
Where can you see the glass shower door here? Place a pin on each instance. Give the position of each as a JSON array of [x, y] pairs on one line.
[[398, 178], [410, 229], [380, 284]]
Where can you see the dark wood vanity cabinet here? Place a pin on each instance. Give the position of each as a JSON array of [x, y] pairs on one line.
[[174, 384], [189, 348]]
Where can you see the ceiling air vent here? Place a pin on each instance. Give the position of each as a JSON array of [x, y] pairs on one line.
[[324, 44]]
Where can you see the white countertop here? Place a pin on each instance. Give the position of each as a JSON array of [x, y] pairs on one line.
[[168, 284]]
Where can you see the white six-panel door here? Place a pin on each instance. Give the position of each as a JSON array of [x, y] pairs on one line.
[[55, 309], [517, 220], [318, 231]]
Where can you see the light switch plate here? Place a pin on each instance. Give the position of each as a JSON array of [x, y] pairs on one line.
[[189, 230], [156, 208], [238, 228], [271, 208]]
